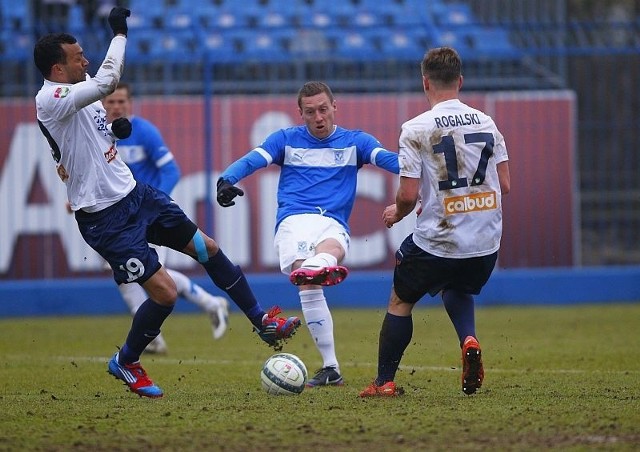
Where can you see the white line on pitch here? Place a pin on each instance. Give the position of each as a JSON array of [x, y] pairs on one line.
[[406, 367]]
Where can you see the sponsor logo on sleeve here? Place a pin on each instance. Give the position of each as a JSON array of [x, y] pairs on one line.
[[110, 155], [60, 92]]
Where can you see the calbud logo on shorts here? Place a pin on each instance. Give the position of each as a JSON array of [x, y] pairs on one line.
[[470, 203]]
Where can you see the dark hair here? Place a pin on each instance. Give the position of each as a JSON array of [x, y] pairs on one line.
[[311, 89], [48, 51], [125, 86], [442, 65]]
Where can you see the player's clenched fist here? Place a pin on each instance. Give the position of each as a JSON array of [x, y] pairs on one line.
[[118, 20], [121, 128]]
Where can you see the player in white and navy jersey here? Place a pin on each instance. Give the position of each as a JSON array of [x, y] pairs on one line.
[[317, 189], [118, 217], [454, 161], [151, 162]]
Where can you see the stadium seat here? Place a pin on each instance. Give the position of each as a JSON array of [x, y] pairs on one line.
[[405, 44], [15, 15], [210, 16], [145, 14], [354, 45], [452, 39], [267, 46], [452, 15], [218, 46], [16, 45], [274, 18], [179, 18], [315, 18], [173, 46], [493, 43]]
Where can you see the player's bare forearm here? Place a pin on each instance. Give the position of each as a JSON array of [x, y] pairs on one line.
[[406, 197]]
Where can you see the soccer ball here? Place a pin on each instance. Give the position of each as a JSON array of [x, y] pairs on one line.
[[283, 374]]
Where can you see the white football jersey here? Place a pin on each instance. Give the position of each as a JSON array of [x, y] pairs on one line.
[[74, 122], [454, 150]]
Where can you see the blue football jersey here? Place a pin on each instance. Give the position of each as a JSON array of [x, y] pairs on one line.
[[148, 157], [317, 175]]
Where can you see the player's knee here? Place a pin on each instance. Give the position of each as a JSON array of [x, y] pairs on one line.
[[201, 247]]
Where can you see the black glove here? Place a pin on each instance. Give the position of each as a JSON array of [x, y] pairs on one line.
[[118, 20], [121, 128], [226, 193]]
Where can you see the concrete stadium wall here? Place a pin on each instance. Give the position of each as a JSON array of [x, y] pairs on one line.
[[361, 290]]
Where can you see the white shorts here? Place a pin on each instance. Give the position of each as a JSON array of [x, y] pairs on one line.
[[298, 235]]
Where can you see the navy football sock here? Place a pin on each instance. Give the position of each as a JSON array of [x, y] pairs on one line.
[[231, 279], [460, 308], [145, 327], [395, 336]]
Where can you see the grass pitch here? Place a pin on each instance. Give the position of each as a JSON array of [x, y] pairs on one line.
[[564, 378]]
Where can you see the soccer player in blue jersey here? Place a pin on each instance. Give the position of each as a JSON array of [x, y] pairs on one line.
[[317, 189], [151, 162], [119, 217], [454, 160]]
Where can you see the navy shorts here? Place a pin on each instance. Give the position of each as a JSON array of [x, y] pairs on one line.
[[122, 232], [418, 272]]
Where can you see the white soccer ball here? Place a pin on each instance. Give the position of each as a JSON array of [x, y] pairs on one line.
[[283, 374]]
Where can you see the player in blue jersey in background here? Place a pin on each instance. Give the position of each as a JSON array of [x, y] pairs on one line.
[[151, 162], [317, 189]]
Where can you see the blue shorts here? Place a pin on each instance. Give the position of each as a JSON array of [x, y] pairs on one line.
[[122, 232], [418, 272]]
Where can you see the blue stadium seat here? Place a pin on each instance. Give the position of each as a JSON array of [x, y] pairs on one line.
[[493, 43], [222, 17], [448, 15], [367, 17], [179, 18], [354, 45], [218, 46], [266, 46], [16, 45], [15, 15], [404, 44], [172, 46], [450, 38], [315, 18], [273, 18]]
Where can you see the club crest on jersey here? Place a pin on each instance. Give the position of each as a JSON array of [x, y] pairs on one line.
[[338, 157], [302, 246], [60, 92]]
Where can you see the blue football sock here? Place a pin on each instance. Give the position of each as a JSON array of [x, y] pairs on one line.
[[395, 336], [460, 308], [145, 327], [231, 279]]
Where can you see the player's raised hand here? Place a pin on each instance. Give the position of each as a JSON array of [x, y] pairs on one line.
[[226, 193], [118, 20]]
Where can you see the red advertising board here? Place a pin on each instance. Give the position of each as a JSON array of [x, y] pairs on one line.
[[38, 238]]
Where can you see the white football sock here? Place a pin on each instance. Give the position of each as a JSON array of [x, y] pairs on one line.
[[320, 323], [190, 290], [320, 260], [133, 295]]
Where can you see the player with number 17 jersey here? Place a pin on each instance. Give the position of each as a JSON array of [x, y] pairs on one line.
[[449, 147]]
